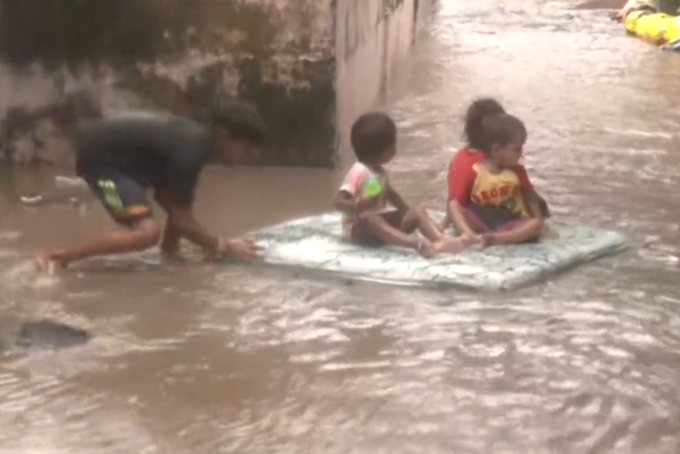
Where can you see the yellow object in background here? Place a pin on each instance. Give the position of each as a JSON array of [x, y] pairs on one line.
[[658, 28]]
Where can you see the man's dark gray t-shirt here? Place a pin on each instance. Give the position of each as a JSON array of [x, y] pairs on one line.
[[159, 152]]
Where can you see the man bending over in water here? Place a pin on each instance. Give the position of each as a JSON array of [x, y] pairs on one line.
[[123, 157]]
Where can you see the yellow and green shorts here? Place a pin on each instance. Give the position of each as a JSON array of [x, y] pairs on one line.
[[123, 197]]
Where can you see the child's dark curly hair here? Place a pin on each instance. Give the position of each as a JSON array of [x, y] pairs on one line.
[[372, 133], [474, 120]]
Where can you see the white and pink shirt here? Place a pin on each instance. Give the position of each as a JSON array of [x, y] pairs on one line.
[[356, 180]]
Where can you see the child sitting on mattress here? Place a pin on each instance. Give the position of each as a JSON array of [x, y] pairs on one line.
[[366, 192], [491, 199]]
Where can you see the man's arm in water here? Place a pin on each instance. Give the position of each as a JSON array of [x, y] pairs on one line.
[[178, 196], [171, 236], [182, 224], [177, 200]]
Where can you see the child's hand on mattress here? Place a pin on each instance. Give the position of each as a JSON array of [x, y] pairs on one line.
[[238, 249], [243, 249], [362, 204]]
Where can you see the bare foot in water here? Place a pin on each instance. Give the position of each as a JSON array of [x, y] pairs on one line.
[[451, 245], [49, 261]]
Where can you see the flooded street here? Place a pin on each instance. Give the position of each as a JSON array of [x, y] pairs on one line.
[[206, 358]]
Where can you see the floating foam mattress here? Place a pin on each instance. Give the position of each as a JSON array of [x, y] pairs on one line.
[[314, 243]]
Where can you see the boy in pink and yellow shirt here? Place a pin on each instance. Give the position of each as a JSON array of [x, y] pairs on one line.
[[374, 214]]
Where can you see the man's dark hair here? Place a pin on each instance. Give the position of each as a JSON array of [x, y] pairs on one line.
[[242, 122], [373, 133]]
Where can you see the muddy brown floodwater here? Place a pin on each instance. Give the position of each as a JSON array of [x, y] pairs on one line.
[[207, 359]]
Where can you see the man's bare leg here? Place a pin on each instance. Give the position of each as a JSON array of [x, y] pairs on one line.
[[143, 235]]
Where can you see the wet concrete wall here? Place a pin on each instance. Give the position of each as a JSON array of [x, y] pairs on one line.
[[372, 37], [65, 60]]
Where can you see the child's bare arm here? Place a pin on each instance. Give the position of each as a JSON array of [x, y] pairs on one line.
[[533, 203], [344, 201], [395, 199], [455, 214], [537, 209]]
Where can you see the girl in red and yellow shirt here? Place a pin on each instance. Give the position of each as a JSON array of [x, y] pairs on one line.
[[491, 198]]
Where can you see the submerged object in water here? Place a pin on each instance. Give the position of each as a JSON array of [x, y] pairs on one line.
[[315, 243], [17, 335]]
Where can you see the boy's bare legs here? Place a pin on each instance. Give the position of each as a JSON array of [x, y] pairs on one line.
[[446, 223], [381, 228], [531, 228], [417, 218]]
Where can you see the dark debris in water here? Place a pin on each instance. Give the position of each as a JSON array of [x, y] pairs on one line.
[[49, 335]]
